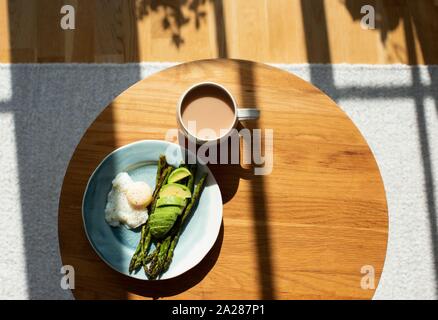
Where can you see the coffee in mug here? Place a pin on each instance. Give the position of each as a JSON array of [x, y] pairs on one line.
[[208, 112]]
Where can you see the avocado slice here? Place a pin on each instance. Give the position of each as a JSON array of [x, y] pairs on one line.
[[179, 174], [167, 210], [171, 201], [161, 221], [175, 189]]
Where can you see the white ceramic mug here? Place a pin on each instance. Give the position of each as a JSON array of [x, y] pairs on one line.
[[240, 114]]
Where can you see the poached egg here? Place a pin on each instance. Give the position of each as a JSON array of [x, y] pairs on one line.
[[127, 202]]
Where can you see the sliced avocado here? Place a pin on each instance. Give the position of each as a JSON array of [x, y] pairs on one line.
[[167, 210], [162, 220], [171, 201], [175, 189], [179, 174]]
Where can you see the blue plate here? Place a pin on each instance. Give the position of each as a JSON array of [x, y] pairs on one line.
[[117, 245]]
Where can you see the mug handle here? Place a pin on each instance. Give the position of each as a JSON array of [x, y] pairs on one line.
[[244, 114]]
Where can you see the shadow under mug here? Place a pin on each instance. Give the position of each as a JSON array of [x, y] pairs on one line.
[[240, 114]]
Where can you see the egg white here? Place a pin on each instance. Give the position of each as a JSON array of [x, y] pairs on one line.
[[118, 210]]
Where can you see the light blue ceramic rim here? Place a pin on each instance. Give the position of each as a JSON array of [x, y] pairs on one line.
[[194, 261]]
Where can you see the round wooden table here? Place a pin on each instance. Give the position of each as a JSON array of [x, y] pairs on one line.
[[315, 228]]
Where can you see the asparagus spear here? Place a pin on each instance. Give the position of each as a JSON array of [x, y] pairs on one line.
[[161, 257], [189, 209], [132, 264], [191, 181], [162, 164], [149, 270], [141, 252], [145, 248], [195, 198], [162, 181], [164, 254], [141, 258], [166, 173], [149, 257]]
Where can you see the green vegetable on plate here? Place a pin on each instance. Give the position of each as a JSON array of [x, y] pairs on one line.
[[171, 201], [175, 189], [172, 205], [179, 174], [162, 220]]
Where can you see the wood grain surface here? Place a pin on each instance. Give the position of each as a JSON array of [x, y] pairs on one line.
[[304, 231], [283, 31]]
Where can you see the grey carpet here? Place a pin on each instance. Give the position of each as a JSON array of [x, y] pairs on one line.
[[45, 109]]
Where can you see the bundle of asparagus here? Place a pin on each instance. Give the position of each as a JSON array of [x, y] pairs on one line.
[[159, 260]]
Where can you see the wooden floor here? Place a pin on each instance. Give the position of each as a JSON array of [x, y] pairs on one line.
[[283, 31]]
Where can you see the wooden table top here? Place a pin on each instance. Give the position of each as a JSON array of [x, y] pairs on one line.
[[315, 228]]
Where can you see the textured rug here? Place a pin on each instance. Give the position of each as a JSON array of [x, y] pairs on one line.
[[45, 109]]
